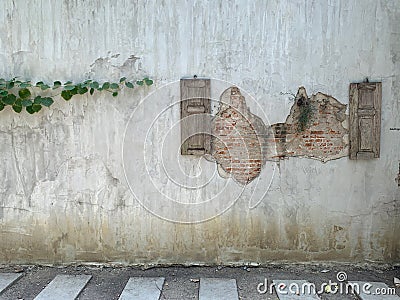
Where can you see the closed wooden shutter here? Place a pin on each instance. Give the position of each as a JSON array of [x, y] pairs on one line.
[[365, 119], [195, 116]]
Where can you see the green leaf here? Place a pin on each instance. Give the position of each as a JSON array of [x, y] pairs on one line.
[[139, 82], [56, 84], [74, 91], [25, 85], [122, 79], [17, 108], [115, 94], [68, 82], [26, 102], [91, 91], [114, 86], [94, 85], [82, 90], [106, 85], [3, 93], [39, 83], [69, 87], [9, 99], [47, 101], [10, 85], [30, 110], [44, 87], [1, 106], [37, 100], [148, 81], [129, 85], [24, 93], [66, 95], [36, 107]]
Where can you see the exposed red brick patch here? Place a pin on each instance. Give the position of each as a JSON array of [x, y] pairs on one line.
[[239, 138], [242, 143], [324, 138]]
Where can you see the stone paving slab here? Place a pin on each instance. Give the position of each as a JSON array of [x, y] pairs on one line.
[[64, 287], [7, 279], [143, 288], [218, 289]]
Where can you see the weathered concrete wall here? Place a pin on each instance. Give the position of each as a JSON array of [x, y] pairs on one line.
[[68, 173]]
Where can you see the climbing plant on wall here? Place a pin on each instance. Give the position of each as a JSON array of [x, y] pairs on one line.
[[305, 116], [305, 110], [33, 96]]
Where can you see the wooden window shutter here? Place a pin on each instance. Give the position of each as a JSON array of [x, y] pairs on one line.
[[195, 110], [365, 119]]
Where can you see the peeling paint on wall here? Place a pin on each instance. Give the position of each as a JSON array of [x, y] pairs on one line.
[[116, 66]]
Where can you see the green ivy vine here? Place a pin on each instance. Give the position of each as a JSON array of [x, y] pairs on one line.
[[306, 113], [25, 94]]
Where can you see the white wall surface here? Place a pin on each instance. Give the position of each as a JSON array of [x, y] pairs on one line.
[[68, 172]]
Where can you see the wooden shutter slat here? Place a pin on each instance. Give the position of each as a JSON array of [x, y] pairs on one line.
[[192, 109]]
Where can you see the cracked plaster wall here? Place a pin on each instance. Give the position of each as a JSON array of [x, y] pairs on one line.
[[63, 194]]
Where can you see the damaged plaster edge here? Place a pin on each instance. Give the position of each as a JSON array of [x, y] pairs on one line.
[[222, 172], [302, 92], [324, 138], [342, 154]]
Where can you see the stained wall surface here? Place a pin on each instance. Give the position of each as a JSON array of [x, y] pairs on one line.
[[101, 179]]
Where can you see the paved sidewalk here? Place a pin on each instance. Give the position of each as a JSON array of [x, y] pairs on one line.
[[203, 283]]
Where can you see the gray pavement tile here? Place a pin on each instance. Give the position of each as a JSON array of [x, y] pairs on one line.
[[7, 279], [143, 288], [218, 289], [64, 287]]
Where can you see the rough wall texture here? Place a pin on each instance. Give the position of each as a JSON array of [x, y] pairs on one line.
[[66, 189]]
